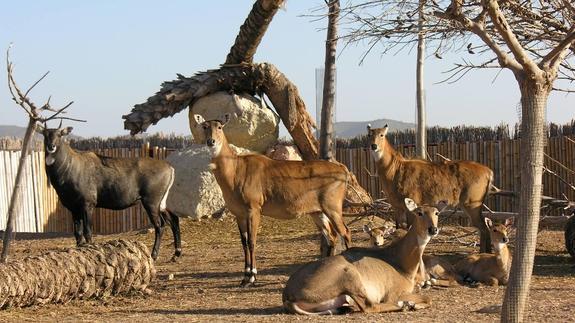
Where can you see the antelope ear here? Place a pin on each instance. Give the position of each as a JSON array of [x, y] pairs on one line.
[[199, 119], [441, 205], [488, 223], [225, 119], [509, 222], [66, 131], [40, 129], [385, 129], [410, 204], [366, 228], [368, 127]]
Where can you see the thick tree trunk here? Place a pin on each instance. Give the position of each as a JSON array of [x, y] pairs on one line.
[[326, 140], [17, 190], [533, 105], [252, 31], [111, 268], [421, 136]]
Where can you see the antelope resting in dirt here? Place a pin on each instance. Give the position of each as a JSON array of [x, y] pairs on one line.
[[85, 180], [460, 183], [365, 279], [253, 185], [486, 268], [438, 271]]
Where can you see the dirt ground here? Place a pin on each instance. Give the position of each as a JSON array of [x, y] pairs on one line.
[[206, 279]]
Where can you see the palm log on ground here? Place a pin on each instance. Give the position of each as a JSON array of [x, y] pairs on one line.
[[93, 271]]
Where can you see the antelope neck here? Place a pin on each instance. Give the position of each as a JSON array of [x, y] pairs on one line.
[[390, 161], [410, 252], [503, 257], [225, 164]]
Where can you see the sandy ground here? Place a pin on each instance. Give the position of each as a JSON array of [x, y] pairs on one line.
[[206, 279]]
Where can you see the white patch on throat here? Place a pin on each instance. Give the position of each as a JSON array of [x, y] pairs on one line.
[[50, 160], [377, 154], [499, 246], [215, 149], [422, 242]]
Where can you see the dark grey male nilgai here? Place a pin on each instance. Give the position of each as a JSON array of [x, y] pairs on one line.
[[85, 180]]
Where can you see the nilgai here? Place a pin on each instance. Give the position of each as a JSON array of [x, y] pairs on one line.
[[486, 268], [255, 185], [438, 271], [460, 183], [84, 180], [365, 279]]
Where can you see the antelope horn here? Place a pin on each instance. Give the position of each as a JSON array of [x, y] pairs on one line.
[[60, 125]]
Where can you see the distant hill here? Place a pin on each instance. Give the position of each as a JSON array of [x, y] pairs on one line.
[[12, 131], [350, 129], [19, 132]]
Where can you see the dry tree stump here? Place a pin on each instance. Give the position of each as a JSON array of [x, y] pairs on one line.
[[93, 271]]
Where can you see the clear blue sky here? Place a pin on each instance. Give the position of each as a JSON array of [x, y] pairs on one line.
[[109, 55]]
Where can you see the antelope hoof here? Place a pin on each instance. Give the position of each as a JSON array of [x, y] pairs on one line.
[[175, 258], [248, 281], [426, 284], [407, 305]]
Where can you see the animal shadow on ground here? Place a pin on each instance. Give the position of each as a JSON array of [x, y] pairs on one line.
[[553, 266], [219, 311]]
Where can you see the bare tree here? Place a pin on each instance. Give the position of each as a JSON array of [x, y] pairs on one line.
[[532, 39], [34, 117], [326, 139], [421, 134]]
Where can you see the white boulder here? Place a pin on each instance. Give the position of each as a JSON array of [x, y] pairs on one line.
[[253, 125], [195, 192]]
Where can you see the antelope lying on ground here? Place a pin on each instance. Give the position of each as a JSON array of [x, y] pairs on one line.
[[253, 185], [85, 180], [489, 269], [460, 183], [438, 271], [365, 279]]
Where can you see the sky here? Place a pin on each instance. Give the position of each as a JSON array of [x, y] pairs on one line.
[[107, 56]]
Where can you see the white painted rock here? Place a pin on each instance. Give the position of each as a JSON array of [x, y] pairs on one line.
[[283, 152], [253, 125], [195, 192]]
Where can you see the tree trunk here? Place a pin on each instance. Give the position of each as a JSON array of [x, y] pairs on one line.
[[252, 31], [326, 140], [421, 136], [111, 268], [17, 191], [533, 106]]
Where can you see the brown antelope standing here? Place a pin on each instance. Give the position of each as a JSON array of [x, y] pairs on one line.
[[438, 271], [365, 279], [253, 185], [460, 183], [486, 268]]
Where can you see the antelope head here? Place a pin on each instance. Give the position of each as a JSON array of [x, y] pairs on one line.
[[53, 139], [426, 218], [376, 140], [499, 233], [377, 236], [213, 132]]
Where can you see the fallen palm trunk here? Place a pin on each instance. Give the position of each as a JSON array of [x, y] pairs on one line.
[[97, 270]]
